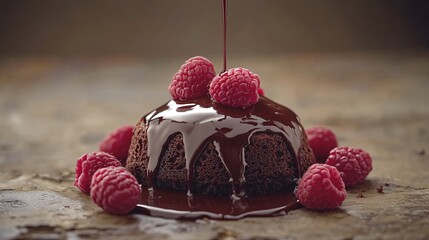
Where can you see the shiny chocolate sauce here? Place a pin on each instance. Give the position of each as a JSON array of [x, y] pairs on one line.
[[224, 18], [201, 121], [174, 204]]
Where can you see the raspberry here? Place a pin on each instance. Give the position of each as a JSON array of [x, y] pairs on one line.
[[192, 80], [238, 87], [115, 190], [118, 142], [261, 91], [322, 141], [354, 164], [321, 187], [88, 164]]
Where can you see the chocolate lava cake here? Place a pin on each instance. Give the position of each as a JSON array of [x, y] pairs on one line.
[[202, 147]]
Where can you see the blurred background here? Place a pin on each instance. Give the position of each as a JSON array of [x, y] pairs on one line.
[[167, 28]]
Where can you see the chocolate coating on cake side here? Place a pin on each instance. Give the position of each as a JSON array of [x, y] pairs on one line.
[[207, 148]]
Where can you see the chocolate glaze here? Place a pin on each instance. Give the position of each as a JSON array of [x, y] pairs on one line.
[[201, 120]]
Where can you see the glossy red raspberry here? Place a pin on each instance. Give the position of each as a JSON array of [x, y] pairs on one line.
[[118, 142], [321, 187], [88, 164], [192, 80], [115, 190], [238, 87], [354, 164], [261, 92], [321, 140]]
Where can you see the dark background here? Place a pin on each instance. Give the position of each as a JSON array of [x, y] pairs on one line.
[[167, 28]]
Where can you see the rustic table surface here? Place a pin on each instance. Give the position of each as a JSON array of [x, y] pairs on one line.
[[54, 110]]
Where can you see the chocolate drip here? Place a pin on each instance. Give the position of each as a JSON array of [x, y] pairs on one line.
[[224, 12], [230, 129]]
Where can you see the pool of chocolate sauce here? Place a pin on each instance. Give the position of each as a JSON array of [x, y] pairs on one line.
[[230, 129], [178, 205]]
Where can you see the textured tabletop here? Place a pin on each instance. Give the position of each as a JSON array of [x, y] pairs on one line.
[[54, 110]]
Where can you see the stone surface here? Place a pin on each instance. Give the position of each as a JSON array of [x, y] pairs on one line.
[[52, 111]]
